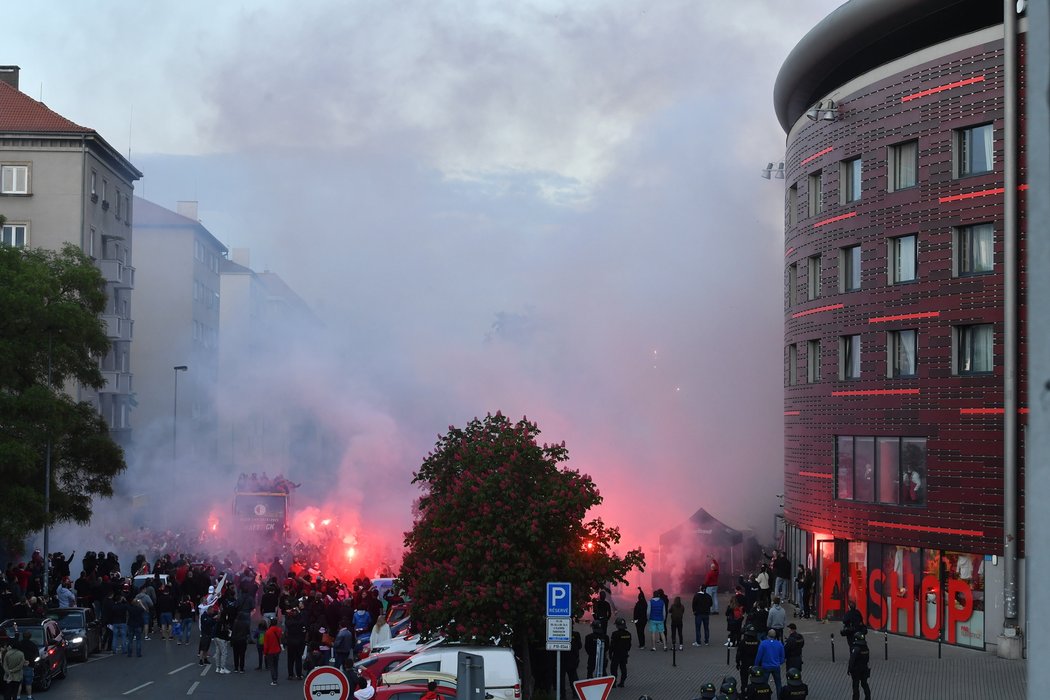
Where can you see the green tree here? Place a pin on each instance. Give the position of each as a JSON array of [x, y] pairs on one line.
[[498, 519], [51, 335]]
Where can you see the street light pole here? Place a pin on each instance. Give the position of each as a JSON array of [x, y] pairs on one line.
[[175, 412], [47, 490]]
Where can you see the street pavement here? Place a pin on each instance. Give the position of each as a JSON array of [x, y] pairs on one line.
[[913, 669]]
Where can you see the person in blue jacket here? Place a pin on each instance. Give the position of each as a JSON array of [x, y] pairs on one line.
[[770, 657]]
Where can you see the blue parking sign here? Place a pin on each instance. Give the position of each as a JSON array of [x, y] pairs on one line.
[[559, 599]]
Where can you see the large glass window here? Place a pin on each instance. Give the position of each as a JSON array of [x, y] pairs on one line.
[[844, 467], [814, 281], [16, 235], [14, 179], [973, 149], [913, 471], [816, 197], [884, 469], [975, 348], [813, 361], [903, 353], [792, 284], [849, 273], [888, 482], [974, 253], [903, 165], [903, 258], [864, 464], [792, 362], [849, 357], [792, 204], [850, 180]]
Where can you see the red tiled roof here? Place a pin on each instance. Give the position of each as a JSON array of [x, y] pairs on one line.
[[21, 113]]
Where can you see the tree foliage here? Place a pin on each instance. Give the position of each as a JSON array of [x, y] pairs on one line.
[[51, 335], [498, 519]]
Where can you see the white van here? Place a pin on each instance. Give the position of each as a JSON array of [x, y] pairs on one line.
[[502, 681]]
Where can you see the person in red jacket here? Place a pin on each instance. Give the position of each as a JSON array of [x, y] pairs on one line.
[[272, 650], [711, 584]]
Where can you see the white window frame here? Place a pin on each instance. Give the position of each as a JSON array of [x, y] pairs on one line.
[[10, 174], [10, 232]]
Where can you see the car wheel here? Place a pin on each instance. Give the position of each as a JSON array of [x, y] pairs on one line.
[[45, 680]]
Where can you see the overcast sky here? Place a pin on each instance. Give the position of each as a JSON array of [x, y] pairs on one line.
[[552, 209]]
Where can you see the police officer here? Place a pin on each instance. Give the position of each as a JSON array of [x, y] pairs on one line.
[[708, 691], [793, 644], [794, 689], [858, 669], [758, 685], [619, 649], [746, 651], [595, 645], [728, 689]]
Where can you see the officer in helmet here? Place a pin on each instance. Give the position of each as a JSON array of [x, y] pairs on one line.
[[708, 691], [619, 649], [859, 669], [746, 651], [758, 685], [728, 689], [794, 689], [596, 644]]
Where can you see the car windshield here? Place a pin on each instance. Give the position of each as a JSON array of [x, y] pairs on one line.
[[68, 619], [36, 633]]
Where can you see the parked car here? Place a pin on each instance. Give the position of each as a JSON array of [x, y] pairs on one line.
[[373, 666], [502, 679], [81, 630], [413, 691], [47, 635], [142, 579], [411, 643]]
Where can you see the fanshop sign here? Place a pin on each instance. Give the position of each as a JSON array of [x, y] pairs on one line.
[[891, 603]]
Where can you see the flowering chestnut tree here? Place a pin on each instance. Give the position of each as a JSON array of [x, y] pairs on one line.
[[500, 517]]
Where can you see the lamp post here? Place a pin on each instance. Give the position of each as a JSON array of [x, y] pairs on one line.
[[175, 412]]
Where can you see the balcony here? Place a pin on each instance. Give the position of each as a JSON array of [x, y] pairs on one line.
[[117, 328], [118, 274], [116, 382]]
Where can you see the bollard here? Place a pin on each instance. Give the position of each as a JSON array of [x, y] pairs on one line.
[[727, 655], [940, 638], [674, 656], [885, 646], [832, 635]]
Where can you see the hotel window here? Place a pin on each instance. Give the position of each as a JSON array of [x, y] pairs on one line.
[[849, 357], [813, 361], [792, 284], [15, 235], [792, 368], [792, 204], [816, 200], [973, 151], [902, 347], [849, 180], [887, 470], [974, 347], [849, 269], [14, 179], [974, 250], [903, 165], [902, 255], [813, 283]]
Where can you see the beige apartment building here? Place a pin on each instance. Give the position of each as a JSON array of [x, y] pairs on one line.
[[63, 183], [176, 353]]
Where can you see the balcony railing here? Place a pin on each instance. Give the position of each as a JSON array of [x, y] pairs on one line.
[[116, 382], [117, 328], [117, 273]]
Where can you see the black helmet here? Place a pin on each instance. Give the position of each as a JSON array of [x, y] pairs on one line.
[[794, 676], [596, 625], [708, 691], [620, 622], [728, 686], [860, 637], [750, 631], [757, 672]]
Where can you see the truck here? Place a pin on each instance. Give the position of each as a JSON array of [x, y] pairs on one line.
[[261, 514]]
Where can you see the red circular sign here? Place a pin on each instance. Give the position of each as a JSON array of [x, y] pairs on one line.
[[326, 683]]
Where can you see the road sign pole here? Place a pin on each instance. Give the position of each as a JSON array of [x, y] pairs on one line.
[[557, 683]]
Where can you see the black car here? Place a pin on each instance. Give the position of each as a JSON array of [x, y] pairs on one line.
[[81, 630], [47, 636]]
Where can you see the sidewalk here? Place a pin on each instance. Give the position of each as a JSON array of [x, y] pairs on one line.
[[912, 671]]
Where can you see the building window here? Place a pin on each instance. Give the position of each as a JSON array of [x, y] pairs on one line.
[[94, 179], [813, 361], [887, 470], [903, 259], [902, 347], [973, 151], [16, 235], [14, 179], [974, 349], [849, 357], [792, 204], [849, 180], [813, 282], [974, 253], [91, 243], [816, 201], [849, 269], [792, 368], [903, 165], [792, 285]]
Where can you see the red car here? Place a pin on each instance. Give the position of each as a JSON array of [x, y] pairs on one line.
[[412, 691], [375, 666]]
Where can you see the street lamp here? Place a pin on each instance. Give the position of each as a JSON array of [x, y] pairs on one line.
[[175, 412]]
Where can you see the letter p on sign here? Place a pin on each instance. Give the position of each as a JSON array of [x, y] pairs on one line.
[[559, 600]]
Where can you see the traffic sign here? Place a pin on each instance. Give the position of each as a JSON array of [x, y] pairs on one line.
[[326, 682], [595, 688], [559, 599], [559, 634]]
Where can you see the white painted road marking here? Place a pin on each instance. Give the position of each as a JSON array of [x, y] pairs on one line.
[[180, 668], [138, 687], [204, 671], [193, 687]]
